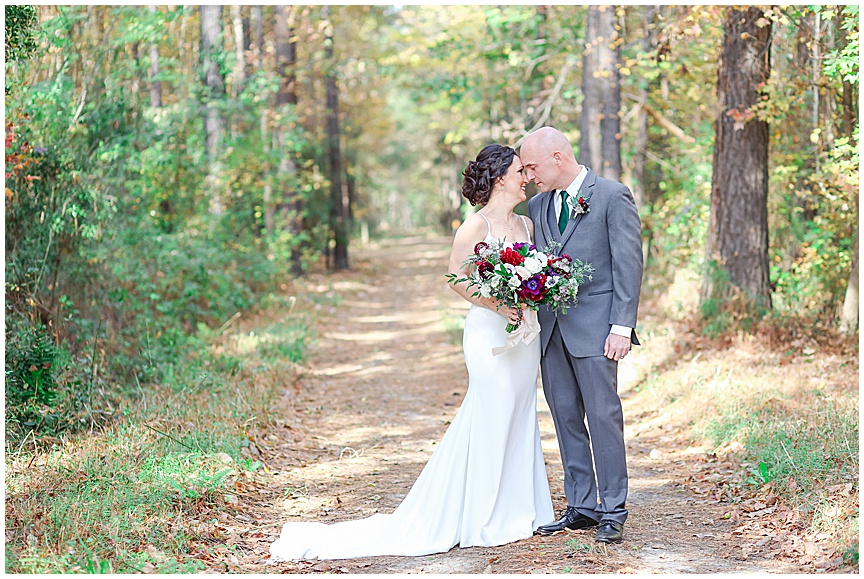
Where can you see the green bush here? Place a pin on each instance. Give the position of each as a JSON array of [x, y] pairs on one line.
[[31, 356]]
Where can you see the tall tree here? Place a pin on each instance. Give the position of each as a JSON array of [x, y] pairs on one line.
[[286, 55], [286, 65], [338, 201], [155, 83], [238, 78], [849, 313], [648, 44], [738, 227], [257, 33], [600, 126], [213, 92], [847, 60]]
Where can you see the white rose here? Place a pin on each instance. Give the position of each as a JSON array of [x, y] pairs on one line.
[[533, 265], [523, 272], [485, 292], [514, 282]]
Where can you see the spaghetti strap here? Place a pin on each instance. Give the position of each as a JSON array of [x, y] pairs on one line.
[[528, 231], [488, 225]]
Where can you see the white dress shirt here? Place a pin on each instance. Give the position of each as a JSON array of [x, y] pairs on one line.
[[572, 195], [572, 192]]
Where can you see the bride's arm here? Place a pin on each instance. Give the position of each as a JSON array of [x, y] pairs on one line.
[[467, 236]]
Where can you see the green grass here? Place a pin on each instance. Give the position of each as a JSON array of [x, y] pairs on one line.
[[131, 497], [285, 341], [584, 546], [787, 414], [817, 448]]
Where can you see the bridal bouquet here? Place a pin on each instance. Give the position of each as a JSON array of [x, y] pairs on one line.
[[518, 273]]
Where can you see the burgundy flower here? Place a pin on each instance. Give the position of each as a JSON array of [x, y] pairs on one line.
[[484, 267], [533, 288], [480, 247]]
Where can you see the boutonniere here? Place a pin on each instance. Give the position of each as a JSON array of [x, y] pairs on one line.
[[580, 208]]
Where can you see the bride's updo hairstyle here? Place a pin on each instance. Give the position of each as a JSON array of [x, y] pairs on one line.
[[492, 162]]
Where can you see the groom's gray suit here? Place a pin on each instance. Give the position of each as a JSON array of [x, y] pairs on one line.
[[578, 380]]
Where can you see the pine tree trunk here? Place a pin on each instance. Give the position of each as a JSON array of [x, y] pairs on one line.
[[286, 66], [849, 314], [155, 85], [338, 209], [286, 55], [737, 245], [644, 201], [214, 90], [600, 126], [257, 31], [648, 42], [239, 74]]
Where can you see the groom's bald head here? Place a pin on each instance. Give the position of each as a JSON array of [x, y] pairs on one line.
[[548, 159], [547, 140]]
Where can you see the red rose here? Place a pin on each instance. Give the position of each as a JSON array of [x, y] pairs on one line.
[[484, 267], [512, 257]]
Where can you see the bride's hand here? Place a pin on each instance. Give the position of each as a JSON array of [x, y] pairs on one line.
[[512, 315]]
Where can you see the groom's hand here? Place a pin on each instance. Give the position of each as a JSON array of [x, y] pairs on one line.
[[616, 347]]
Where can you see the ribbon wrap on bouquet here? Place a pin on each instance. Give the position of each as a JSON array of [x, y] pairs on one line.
[[527, 332]]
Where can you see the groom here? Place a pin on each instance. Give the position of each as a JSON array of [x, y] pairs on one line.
[[594, 220]]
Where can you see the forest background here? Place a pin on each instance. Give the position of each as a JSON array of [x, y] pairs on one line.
[[170, 168]]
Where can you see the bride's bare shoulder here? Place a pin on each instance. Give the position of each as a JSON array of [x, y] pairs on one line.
[[473, 225]]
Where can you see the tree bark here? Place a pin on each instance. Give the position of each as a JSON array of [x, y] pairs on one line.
[[338, 209], [213, 92], [648, 43], [849, 314], [257, 34], [286, 66], [155, 84], [600, 126], [644, 200], [239, 74], [286, 55], [737, 245]]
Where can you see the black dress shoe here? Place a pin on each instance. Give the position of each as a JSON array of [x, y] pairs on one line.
[[610, 532], [571, 519]]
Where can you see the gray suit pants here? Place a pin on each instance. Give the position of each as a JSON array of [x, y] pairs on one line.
[[576, 388]]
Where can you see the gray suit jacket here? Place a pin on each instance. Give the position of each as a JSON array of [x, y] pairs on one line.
[[609, 237]]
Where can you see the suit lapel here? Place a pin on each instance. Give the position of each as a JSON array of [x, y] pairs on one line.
[[585, 191]]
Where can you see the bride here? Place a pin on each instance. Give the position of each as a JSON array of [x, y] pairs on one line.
[[486, 484]]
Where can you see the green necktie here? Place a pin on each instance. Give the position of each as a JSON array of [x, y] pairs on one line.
[[564, 217]]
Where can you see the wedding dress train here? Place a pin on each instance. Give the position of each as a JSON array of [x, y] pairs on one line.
[[485, 484]]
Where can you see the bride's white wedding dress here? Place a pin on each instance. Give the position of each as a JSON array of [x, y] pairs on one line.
[[485, 484]]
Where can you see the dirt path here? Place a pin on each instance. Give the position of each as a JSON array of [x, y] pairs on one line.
[[385, 378]]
